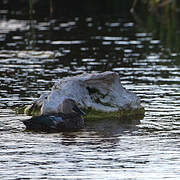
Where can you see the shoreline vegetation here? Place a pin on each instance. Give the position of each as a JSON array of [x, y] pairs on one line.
[[161, 18], [157, 5], [55, 7]]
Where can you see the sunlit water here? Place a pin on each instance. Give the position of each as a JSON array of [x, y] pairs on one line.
[[145, 149]]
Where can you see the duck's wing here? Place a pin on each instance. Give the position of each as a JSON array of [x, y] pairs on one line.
[[43, 123], [54, 122]]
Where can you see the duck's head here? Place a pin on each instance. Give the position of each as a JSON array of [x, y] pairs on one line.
[[70, 106]]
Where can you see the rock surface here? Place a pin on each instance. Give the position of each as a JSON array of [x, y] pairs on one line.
[[99, 94]]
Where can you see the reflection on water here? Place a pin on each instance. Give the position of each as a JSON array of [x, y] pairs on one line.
[[33, 55]]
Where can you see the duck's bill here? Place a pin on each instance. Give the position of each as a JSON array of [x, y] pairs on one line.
[[77, 110]]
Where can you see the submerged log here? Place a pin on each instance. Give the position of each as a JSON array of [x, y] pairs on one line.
[[100, 95]]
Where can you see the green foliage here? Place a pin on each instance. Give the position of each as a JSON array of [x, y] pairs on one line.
[[162, 19], [167, 5]]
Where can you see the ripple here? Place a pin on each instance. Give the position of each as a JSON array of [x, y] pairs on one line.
[[104, 149], [12, 25], [67, 42]]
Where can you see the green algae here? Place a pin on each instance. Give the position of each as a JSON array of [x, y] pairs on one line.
[[20, 110], [33, 110], [91, 114]]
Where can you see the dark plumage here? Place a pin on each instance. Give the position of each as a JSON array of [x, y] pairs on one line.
[[69, 119]]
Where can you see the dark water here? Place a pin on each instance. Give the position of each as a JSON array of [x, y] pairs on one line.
[[34, 54]]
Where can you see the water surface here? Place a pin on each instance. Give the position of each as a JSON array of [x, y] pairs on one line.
[[34, 54]]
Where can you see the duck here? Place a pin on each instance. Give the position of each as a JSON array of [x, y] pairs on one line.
[[69, 119]]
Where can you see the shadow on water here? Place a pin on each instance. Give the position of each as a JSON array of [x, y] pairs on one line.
[[99, 132], [112, 127], [103, 126]]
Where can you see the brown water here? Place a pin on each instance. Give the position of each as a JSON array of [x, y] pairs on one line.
[[129, 149]]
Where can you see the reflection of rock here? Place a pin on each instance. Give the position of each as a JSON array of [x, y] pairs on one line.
[[117, 126], [99, 94]]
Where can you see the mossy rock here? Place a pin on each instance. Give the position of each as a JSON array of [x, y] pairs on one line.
[[20, 110], [93, 114], [30, 110], [35, 110]]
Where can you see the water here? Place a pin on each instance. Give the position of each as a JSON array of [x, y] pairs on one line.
[[34, 54]]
